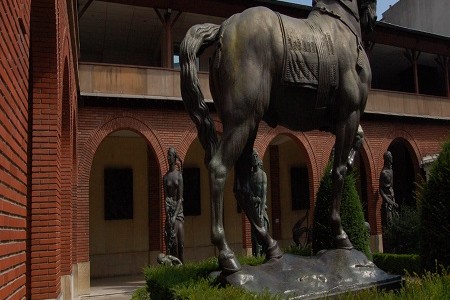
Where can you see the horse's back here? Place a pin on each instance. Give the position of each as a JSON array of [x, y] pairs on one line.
[[255, 31]]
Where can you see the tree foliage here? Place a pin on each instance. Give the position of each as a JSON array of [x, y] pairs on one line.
[[434, 204]]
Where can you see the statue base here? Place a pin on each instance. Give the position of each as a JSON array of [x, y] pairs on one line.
[[329, 273]]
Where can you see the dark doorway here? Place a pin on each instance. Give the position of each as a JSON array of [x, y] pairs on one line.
[[404, 176]]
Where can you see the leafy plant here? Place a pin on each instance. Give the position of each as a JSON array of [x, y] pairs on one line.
[[434, 204], [402, 233], [352, 215]]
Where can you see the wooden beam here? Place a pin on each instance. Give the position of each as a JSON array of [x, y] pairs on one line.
[[83, 8], [443, 62], [168, 24], [413, 57]]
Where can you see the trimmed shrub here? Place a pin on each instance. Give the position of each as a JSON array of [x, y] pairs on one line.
[[352, 215], [402, 233], [434, 205], [400, 264]]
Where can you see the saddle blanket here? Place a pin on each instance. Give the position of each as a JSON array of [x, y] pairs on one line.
[[309, 57]]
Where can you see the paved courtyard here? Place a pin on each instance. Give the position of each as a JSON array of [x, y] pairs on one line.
[[114, 288]]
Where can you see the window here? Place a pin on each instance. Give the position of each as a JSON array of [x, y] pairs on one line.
[[191, 192], [118, 193], [299, 188]]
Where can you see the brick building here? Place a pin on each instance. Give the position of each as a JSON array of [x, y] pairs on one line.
[[90, 91]]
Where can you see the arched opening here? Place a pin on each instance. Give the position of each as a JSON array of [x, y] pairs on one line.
[[197, 208], [288, 194], [404, 174], [122, 181]]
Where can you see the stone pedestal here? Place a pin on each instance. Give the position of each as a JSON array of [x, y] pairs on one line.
[[330, 272]]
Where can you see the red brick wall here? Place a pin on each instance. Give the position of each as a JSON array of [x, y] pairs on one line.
[[14, 82], [53, 138], [14, 63], [172, 127], [45, 210]]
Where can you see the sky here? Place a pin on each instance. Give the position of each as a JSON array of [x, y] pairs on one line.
[[382, 5]]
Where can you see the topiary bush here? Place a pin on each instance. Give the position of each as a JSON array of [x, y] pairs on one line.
[[401, 233], [434, 205], [352, 215]]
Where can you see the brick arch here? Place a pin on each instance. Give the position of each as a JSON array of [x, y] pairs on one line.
[[299, 138], [372, 188], [303, 143], [409, 142], [86, 158], [413, 150], [66, 74], [190, 135]]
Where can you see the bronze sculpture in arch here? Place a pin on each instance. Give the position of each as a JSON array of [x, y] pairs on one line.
[[302, 74], [406, 170]]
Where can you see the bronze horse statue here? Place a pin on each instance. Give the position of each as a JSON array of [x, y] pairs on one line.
[[303, 74]]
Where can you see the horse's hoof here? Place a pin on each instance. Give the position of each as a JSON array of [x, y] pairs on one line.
[[274, 251], [228, 262], [342, 242]]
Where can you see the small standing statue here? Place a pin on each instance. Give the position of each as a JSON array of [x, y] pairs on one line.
[[387, 190], [258, 182], [173, 192]]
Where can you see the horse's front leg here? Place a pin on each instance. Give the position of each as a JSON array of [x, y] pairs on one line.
[[345, 136]]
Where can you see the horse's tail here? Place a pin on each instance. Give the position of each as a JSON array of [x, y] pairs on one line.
[[197, 38]]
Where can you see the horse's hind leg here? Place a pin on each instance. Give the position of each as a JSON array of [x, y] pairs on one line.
[[357, 143], [231, 145], [243, 195], [345, 136]]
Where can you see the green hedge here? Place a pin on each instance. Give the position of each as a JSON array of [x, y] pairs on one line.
[[352, 215], [400, 264]]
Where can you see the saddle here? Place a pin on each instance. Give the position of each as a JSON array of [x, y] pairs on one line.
[[309, 59]]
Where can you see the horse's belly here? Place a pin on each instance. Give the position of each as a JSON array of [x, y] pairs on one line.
[[295, 108]]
